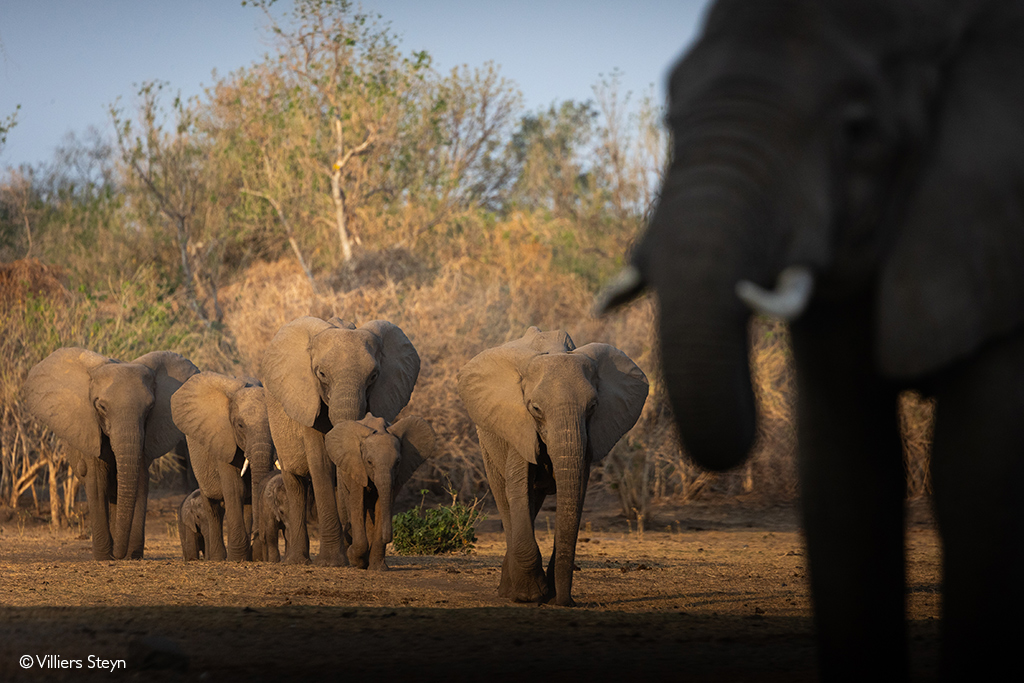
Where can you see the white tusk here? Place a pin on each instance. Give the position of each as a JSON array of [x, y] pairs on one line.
[[624, 287], [245, 466], [789, 298]]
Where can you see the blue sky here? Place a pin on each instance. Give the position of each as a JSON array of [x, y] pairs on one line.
[[66, 61]]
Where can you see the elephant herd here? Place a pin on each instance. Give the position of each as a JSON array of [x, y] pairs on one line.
[[327, 413]]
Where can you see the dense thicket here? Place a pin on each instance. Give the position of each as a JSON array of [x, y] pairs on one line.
[[340, 176]]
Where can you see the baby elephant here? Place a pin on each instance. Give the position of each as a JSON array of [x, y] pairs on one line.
[[198, 522], [273, 507], [374, 461]]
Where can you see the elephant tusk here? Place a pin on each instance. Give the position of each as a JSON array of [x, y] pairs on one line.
[[789, 298], [623, 288], [245, 466]]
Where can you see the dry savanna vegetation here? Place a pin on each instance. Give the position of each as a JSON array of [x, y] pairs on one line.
[[343, 177]]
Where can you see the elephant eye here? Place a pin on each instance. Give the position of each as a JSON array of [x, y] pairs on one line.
[[373, 377], [321, 374], [535, 410], [591, 407], [100, 406]]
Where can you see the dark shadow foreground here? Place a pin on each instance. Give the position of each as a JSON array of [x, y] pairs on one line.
[[515, 643]]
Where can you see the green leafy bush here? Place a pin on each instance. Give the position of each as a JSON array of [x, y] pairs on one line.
[[444, 529]]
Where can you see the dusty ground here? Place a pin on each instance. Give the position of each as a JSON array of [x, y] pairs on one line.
[[706, 593]]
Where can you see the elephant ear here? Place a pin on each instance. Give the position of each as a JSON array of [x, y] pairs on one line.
[[344, 445], [286, 371], [954, 278], [399, 366], [491, 387], [621, 392], [170, 371], [202, 411], [56, 392], [419, 444]]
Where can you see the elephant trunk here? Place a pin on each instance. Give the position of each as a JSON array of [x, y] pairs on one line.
[[702, 229], [128, 445], [385, 496], [260, 453], [571, 469], [347, 404]]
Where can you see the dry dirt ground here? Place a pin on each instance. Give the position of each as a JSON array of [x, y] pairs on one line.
[[705, 593]]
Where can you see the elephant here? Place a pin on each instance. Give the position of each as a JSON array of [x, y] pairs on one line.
[[115, 418], [199, 520], [545, 412], [225, 423], [868, 159], [319, 373], [374, 460], [273, 516]]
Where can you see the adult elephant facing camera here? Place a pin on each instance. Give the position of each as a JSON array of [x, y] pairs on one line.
[[116, 420], [869, 158], [317, 374], [545, 412]]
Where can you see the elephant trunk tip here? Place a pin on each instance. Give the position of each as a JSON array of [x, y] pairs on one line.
[[720, 454]]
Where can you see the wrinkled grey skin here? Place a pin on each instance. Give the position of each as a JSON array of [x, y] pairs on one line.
[[545, 412], [115, 419], [374, 461], [225, 423], [199, 520], [273, 516], [317, 374], [879, 144]]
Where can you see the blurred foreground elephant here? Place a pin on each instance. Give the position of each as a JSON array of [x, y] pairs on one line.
[[545, 412], [858, 169], [115, 419], [225, 423], [319, 373]]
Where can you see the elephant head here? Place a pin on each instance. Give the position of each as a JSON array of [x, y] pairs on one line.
[[333, 371], [374, 461], [826, 153], [99, 405], [225, 421], [559, 407]]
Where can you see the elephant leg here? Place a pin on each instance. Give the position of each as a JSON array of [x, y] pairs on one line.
[[375, 537], [296, 546], [99, 521], [977, 468], [269, 529], [359, 550], [852, 492], [137, 537], [321, 471], [522, 577], [213, 532], [233, 488]]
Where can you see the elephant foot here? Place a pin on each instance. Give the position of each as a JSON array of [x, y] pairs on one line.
[[564, 602], [331, 560], [295, 559], [533, 589]]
